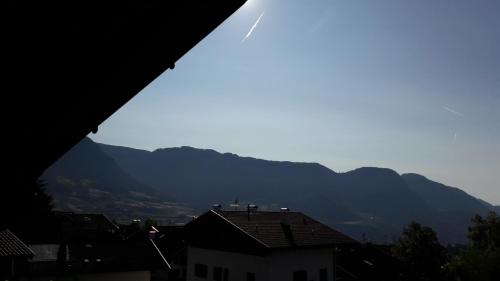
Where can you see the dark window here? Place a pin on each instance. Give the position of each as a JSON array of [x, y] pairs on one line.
[[200, 270], [300, 275], [323, 274], [250, 276], [218, 273], [226, 274]]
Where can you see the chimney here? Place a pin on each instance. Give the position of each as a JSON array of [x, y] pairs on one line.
[[287, 231], [286, 227], [251, 207], [284, 218]]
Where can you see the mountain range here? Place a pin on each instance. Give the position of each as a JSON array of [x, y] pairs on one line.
[[367, 203], [87, 180]]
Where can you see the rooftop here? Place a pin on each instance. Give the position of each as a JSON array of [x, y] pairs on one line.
[[11, 246], [284, 229]]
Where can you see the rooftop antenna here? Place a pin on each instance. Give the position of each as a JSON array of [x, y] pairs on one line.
[[284, 211], [235, 205]]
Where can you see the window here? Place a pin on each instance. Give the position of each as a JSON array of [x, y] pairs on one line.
[[200, 270], [250, 276], [300, 275], [218, 273], [323, 274]]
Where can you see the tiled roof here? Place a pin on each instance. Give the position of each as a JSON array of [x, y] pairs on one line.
[[285, 229], [11, 246]]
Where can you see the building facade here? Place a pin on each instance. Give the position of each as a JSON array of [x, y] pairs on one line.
[[250, 246]]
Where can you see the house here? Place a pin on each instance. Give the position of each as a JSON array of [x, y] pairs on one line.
[[81, 227], [47, 259], [172, 242], [14, 255], [98, 250], [75, 243], [259, 245], [92, 247]]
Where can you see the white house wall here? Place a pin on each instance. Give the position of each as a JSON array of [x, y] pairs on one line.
[[283, 263], [280, 265], [238, 264]]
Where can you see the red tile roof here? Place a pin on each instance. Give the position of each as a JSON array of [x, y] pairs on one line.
[[11, 246], [284, 229]]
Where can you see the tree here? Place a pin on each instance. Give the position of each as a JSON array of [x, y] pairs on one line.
[[148, 223], [26, 208], [481, 260], [419, 249], [484, 233]]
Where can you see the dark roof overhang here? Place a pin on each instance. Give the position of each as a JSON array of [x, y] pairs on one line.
[[69, 65]]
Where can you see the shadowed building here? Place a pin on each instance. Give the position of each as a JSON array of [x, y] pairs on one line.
[[91, 247], [14, 255], [243, 245]]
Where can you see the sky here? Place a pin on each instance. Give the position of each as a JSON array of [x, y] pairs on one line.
[[409, 85]]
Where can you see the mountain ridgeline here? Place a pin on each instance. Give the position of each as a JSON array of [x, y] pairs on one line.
[[87, 180], [367, 203]]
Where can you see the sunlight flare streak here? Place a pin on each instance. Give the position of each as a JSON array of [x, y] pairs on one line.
[[252, 28], [450, 110]]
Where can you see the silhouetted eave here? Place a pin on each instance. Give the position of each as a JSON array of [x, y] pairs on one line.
[[69, 65]]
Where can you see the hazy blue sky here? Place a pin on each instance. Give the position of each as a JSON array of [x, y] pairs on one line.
[[410, 85]]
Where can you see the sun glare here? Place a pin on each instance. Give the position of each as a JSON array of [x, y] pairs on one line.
[[249, 4]]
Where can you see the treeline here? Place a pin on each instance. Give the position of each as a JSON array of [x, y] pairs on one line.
[[425, 259]]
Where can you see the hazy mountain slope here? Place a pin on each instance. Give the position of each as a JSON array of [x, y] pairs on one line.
[[366, 200], [127, 158], [86, 161], [203, 177], [453, 207], [372, 202], [382, 192], [442, 197], [87, 180], [490, 206], [197, 176]]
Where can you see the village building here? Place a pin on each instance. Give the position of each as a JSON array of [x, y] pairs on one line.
[[259, 245], [14, 255]]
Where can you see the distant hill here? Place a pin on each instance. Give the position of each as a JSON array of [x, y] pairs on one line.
[[203, 177], [368, 202], [87, 180], [371, 203], [489, 206], [441, 197], [453, 208]]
